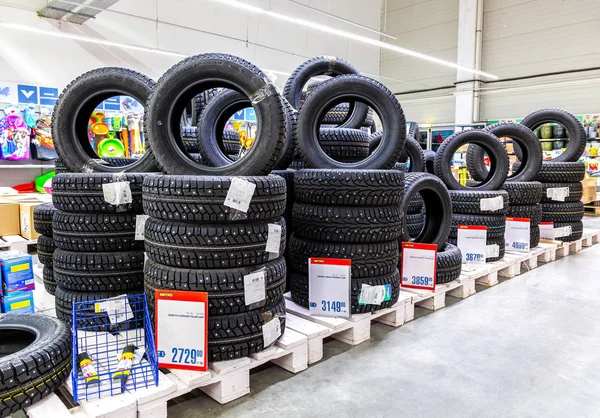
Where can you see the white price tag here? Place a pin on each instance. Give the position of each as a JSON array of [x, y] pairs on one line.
[[271, 331], [254, 287], [472, 242], [419, 262], [329, 286], [181, 328], [118, 193], [239, 194], [140, 224], [117, 309], [517, 235], [491, 204], [372, 295], [547, 230], [563, 231], [274, 239], [492, 251], [557, 193]]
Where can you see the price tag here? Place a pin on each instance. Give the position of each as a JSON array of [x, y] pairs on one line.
[[491, 204], [117, 309], [329, 286], [181, 327], [254, 287], [547, 230], [419, 262], [273, 239], [140, 223], [517, 234], [118, 193], [557, 193], [471, 240], [271, 331], [564, 231], [239, 194]]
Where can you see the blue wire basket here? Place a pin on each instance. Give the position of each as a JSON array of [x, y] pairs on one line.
[[102, 329]]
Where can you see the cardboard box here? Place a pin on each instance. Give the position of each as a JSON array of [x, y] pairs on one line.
[[9, 218], [589, 190], [26, 208], [21, 302], [16, 270]]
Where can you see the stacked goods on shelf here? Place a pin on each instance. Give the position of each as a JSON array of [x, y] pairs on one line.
[[429, 195], [195, 242], [524, 199], [42, 223], [348, 214], [288, 176], [97, 255]]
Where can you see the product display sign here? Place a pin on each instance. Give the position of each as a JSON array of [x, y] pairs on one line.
[[517, 235], [419, 263], [181, 329], [329, 286], [471, 240], [547, 230]]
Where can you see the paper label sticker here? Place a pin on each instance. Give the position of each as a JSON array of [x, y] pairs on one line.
[[491, 204], [254, 287], [117, 309], [492, 250], [371, 295], [557, 193], [517, 235], [471, 240], [140, 224], [271, 331], [329, 286], [274, 239], [546, 230], [419, 262], [118, 193], [563, 231], [240, 194]]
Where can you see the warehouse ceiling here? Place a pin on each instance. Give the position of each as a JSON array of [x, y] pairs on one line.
[[78, 13]]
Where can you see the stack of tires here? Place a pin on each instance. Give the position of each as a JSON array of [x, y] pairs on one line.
[[524, 202], [42, 223], [97, 255], [196, 243], [348, 214]]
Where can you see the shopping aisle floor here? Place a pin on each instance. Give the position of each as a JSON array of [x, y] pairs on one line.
[[526, 347]]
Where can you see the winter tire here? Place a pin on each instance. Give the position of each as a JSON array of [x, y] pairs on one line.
[[575, 191], [45, 249], [523, 192], [470, 202], [414, 153], [48, 279], [559, 172], [533, 212], [562, 212], [42, 218], [576, 230]]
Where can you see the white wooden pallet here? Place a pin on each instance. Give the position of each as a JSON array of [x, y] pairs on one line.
[[16, 242]]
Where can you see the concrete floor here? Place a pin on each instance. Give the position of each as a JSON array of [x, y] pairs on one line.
[[526, 347]]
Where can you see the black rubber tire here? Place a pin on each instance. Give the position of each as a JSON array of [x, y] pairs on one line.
[[225, 287], [318, 66], [575, 191], [448, 264], [414, 152], [42, 218], [349, 187], [189, 78], [64, 300], [415, 205], [415, 222], [360, 88], [82, 192], [200, 101], [534, 236], [438, 208], [297, 165], [99, 271], [533, 212], [70, 118], [413, 131], [59, 166], [45, 249], [48, 279], [562, 212], [429, 161], [469, 202], [201, 198], [119, 161], [496, 224], [345, 145], [559, 172], [189, 132], [208, 246], [368, 260], [35, 359], [347, 223], [529, 146], [577, 137], [96, 232], [523, 192], [576, 230], [288, 176], [375, 140], [490, 144], [299, 286], [191, 146]]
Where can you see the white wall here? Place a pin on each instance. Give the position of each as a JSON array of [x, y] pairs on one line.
[[184, 26]]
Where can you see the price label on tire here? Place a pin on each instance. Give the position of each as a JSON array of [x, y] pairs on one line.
[[517, 235], [419, 263], [472, 242], [329, 286], [181, 329], [547, 230]]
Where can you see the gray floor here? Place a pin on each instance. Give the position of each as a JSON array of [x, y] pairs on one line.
[[526, 347]]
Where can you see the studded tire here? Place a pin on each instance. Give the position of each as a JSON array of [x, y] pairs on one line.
[[48, 279], [42, 218], [469, 202], [45, 249], [523, 192], [575, 191], [413, 152], [560, 172], [576, 231], [562, 212]]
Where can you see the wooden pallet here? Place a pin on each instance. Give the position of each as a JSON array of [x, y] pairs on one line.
[[17, 242], [591, 210]]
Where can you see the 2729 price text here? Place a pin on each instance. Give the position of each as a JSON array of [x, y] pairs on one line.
[[186, 355]]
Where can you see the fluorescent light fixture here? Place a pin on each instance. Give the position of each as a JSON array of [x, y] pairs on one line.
[[345, 34]]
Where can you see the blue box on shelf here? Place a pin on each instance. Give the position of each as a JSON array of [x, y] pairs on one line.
[[19, 301], [16, 270]]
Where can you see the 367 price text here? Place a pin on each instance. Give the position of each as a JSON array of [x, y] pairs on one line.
[[474, 257]]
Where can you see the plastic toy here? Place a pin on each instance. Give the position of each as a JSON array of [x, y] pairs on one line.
[[30, 116], [111, 147], [14, 135], [43, 184], [42, 146]]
